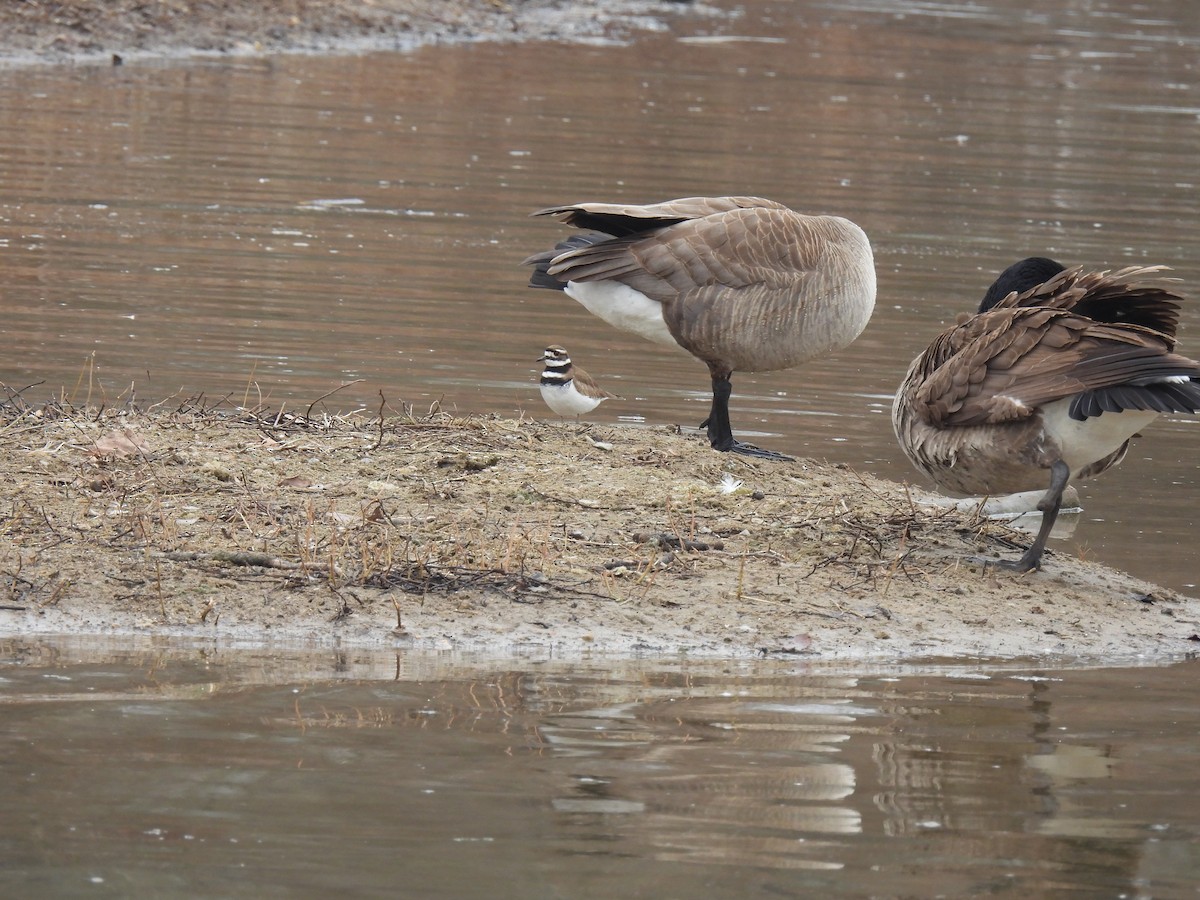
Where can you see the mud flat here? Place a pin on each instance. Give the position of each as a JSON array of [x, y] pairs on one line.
[[118, 30], [501, 534]]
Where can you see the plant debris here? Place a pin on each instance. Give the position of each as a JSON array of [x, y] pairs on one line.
[[205, 519]]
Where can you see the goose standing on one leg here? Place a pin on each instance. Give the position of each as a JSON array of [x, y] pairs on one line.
[[741, 283], [1048, 381]]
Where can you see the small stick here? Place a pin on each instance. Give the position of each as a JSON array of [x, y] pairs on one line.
[[382, 404], [308, 412]]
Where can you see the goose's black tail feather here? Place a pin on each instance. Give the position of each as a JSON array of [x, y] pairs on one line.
[[541, 261], [1181, 397]]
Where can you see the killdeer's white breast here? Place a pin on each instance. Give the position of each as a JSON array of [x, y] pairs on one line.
[[566, 388]]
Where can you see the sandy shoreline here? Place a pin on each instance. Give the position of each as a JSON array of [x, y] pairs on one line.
[[523, 536], [77, 31]]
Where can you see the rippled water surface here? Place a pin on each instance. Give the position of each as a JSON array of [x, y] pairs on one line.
[[269, 774], [269, 229]]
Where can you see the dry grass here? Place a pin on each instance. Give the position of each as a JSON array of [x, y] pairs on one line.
[[202, 515]]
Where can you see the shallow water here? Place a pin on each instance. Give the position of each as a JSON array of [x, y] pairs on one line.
[[221, 773], [267, 230]]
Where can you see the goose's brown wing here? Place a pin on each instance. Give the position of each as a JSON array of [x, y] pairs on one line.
[[622, 220], [737, 248], [1001, 366], [1135, 295]]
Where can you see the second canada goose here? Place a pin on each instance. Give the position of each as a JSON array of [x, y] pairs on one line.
[[1047, 382], [742, 283]]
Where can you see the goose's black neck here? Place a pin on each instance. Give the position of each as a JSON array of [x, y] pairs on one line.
[[1020, 277]]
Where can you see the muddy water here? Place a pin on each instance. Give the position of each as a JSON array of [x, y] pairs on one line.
[[268, 230], [239, 774]]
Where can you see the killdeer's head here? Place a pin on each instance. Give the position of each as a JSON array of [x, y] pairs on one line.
[[558, 365]]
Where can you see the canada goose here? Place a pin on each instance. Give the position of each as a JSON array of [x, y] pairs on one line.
[[1053, 376], [566, 388], [741, 283]]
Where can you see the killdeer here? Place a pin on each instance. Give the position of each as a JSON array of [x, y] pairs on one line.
[[741, 283], [1049, 380], [566, 388]]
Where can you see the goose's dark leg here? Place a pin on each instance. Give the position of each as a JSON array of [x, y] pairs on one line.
[[720, 432], [1060, 474]]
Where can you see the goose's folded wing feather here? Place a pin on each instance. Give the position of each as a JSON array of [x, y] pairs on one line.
[[622, 220], [1135, 295], [737, 248], [1003, 365]]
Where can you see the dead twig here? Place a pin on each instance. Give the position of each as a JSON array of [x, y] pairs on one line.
[[327, 394]]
